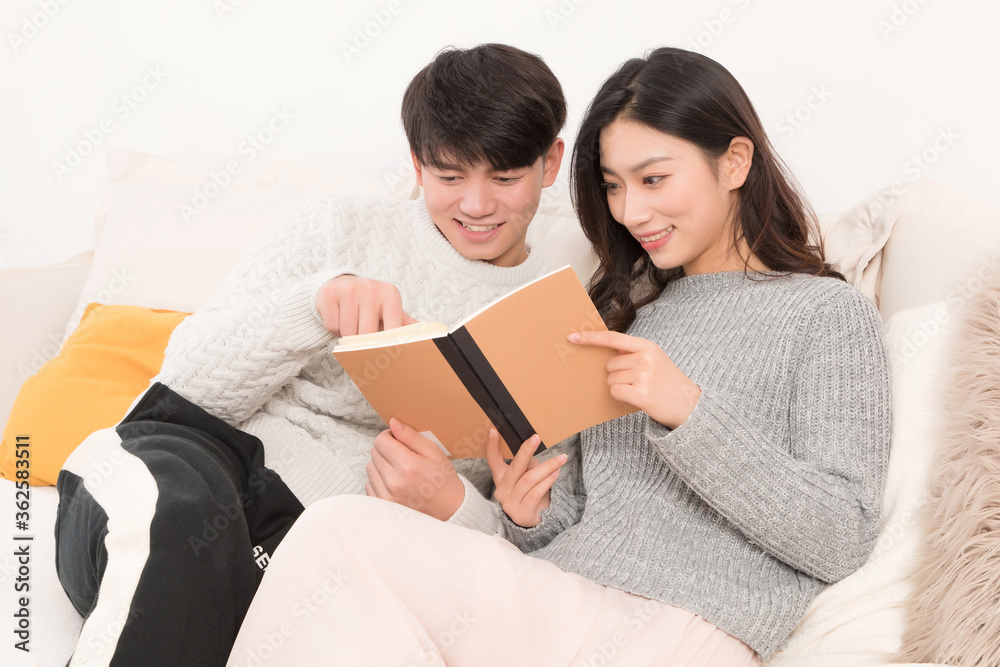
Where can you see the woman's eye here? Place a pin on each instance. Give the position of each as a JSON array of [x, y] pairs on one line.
[[609, 187], [652, 180]]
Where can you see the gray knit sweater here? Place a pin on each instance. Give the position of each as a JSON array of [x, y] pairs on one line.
[[772, 487]]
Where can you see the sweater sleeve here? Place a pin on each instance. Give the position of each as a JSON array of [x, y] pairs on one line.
[[262, 327], [814, 504], [477, 511], [565, 508]]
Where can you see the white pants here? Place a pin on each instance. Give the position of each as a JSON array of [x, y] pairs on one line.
[[361, 581]]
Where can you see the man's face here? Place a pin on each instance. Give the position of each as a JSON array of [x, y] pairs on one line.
[[485, 213]]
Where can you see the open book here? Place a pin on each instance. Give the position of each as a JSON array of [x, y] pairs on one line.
[[508, 365]]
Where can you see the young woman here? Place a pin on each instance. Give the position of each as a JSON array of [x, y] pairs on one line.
[[700, 528]]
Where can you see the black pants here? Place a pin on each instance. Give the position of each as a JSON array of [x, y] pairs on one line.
[[165, 524]]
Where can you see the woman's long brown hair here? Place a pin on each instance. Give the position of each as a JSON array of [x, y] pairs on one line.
[[692, 97]]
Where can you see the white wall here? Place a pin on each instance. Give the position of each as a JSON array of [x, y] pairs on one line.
[[888, 80]]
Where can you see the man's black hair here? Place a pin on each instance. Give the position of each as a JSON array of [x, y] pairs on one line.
[[492, 104]]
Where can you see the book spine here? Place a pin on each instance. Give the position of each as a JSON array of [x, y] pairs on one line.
[[453, 355], [519, 425]]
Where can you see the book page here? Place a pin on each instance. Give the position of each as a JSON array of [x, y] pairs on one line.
[[410, 332]]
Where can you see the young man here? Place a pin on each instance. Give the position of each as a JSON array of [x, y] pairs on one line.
[[251, 418]]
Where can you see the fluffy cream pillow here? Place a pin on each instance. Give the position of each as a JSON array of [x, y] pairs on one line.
[[955, 610]]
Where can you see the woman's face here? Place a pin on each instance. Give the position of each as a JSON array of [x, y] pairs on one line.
[[665, 192]]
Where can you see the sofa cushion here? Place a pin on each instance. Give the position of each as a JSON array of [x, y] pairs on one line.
[[36, 302], [100, 370], [945, 244], [912, 244], [169, 234]]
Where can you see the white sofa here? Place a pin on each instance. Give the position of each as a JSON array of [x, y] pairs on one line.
[[919, 250]]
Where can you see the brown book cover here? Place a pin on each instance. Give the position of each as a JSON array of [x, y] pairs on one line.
[[509, 365]]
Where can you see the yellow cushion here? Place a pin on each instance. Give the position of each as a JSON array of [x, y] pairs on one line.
[[100, 370]]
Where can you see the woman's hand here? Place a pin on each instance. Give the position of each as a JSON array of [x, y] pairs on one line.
[[351, 305], [643, 375], [523, 488], [411, 470]]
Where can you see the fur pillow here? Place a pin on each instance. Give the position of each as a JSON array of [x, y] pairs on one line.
[[954, 611]]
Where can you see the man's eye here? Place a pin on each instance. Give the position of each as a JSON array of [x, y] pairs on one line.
[[506, 180]]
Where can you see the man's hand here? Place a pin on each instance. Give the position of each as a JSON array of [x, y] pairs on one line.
[[523, 488], [411, 470], [351, 305]]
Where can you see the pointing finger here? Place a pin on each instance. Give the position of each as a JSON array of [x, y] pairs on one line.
[[613, 339]]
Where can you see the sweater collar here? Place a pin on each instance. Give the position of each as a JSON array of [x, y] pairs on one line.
[[708, 283]]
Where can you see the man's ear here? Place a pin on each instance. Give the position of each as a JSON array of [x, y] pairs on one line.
[[553, 159], [737, 160], [418, 169]]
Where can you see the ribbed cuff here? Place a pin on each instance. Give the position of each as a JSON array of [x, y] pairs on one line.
[[536, 537], [302, 324], [477, 512], [525, 539]]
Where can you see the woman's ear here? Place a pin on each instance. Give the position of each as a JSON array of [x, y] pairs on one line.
[[736, 162]]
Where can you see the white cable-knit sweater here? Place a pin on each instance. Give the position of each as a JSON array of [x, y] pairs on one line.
[[257, 355]]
